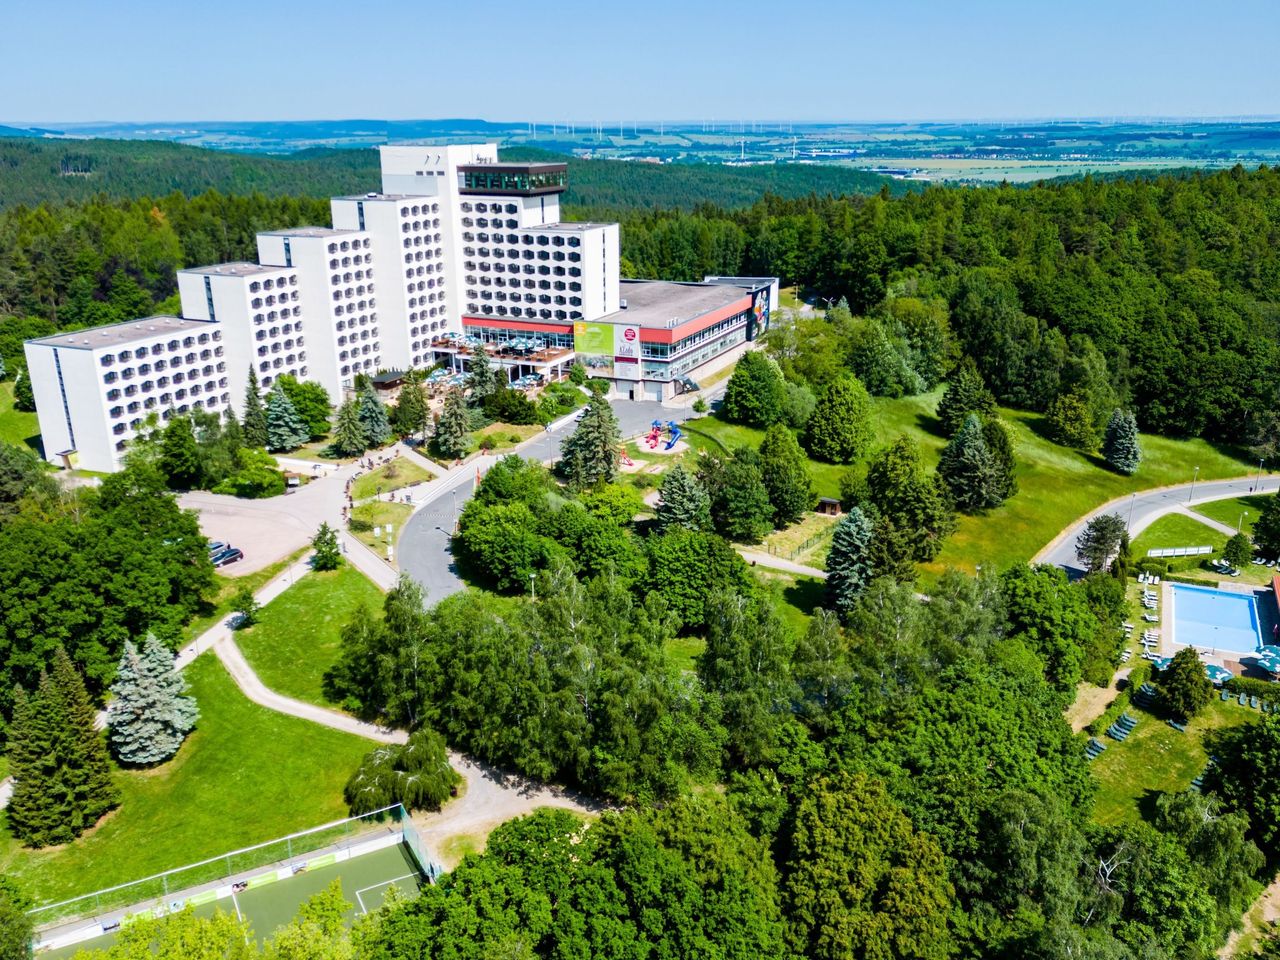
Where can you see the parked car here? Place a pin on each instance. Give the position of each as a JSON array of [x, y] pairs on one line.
[[217, 546], [227, 556]]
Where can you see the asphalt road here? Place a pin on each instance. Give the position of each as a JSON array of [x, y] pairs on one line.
[[425, 553], [1140, 510]]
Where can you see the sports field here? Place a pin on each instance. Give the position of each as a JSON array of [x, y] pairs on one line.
[[268, 903]]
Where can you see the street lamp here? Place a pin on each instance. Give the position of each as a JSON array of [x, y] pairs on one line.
[[454, 494], [1192, 493], [1128, 527], [1258, 486], [1240, 522], [533, 593]]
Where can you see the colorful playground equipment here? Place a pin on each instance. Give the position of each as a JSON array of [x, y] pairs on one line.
[[624, 459], [654, 436]]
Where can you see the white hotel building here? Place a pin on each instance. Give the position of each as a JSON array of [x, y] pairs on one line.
[[458, 243]]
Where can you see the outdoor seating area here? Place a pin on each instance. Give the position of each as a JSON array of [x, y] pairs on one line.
[[1148, 578], [1224, 568], [1093, 749], [1144, 696], [444, 379], [1121, 729], [1263, 562]]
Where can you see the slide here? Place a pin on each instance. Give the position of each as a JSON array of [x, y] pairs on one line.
[[654, 435], [675, 434]]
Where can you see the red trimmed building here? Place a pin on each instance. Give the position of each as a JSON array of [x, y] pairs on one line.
[[656, 345]]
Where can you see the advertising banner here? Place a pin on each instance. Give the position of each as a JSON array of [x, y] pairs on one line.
[[626, 352], [593, 339]]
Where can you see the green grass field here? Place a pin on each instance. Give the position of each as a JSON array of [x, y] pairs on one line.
[[378, 514], [297, 637], [401, 472], [1056, 485], [17, 427], [226, 589], [247, 774], [1231, 510], [1176, 530], [1156, 759]]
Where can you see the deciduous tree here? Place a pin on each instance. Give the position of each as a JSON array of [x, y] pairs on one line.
[[179, 457], [1184, 687], [416, 774], [755, 394], [840, 429], [899, 490]]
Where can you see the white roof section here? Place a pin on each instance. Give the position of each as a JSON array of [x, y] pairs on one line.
[[122, 334]]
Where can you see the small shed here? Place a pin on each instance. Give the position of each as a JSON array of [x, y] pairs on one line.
[[388, 380], [828, 507]]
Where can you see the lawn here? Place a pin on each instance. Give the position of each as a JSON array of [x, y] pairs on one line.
[[1229, 511], [247, 774], [798, 595], [504, 436], [806, 542], [1176, 530], [378, 514], [1056, 485], [1156, 759], [684, 652], [17, 427], [400, 472], [227, 587], [296, 638]]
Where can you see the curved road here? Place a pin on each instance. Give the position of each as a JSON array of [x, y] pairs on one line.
[[1140, 510], [424, 547]]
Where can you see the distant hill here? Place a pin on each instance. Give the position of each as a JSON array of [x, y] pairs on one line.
[[34, 170]]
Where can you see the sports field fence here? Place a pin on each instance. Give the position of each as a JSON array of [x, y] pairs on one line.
[[338, 834]]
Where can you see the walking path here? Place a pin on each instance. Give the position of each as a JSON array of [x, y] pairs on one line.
[[757, 559], [1207, 521], [1144, 508]]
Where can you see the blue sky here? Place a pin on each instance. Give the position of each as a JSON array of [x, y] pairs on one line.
[[588, 60]]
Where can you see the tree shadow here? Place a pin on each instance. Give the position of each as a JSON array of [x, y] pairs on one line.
[[805, 595], [930, 424], [1147, 803]]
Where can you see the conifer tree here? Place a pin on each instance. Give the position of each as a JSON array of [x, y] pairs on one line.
[[1121, 447], [453, 430], [286, 430], [591, 453], [966, 393], [785, 472], [348, 432], [996, 434], [96, 790], [327, 555], [232, 433], [484, 380], [683, 502], [849, 563], [1071, 422], [373, 417], [969, 470], [840, 429], [740, 507], [149, 717], [38, 809], [898, 487], [411, 413], [254, 419]]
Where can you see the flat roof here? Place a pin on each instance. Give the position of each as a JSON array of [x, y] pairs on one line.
[[663, 304], [576, 226], [234, 269], [389, 196], [307, 232], [520, 167], [119, 334]]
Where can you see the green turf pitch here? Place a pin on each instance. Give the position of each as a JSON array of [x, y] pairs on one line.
[[269, 906]]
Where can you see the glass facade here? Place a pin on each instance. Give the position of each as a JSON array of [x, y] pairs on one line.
[[495, 178]]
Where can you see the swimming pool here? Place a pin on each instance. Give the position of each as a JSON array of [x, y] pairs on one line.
[[1217, 620]]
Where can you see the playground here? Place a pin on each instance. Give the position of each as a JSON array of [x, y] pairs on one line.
[[664, 438]]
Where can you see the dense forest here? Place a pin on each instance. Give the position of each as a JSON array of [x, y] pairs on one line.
[[1163, 293], [46, 171]]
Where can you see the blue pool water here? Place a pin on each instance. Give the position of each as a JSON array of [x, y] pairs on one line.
[[1215, 619]]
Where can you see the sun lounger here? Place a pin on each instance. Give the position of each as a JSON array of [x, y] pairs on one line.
[[1226, 695], [1253, 702], [1150, 619], [1180, 727], [1243, 699]]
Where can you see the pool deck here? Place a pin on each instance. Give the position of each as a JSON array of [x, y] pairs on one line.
[[1264, 605]]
